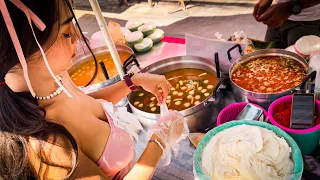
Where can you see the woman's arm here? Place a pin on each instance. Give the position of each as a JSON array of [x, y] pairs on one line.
[[146, 165], [150, 82], [87, 169], [113, 93]]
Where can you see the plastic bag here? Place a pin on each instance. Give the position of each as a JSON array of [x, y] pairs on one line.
[[206, 48], [171, 129], [124, 120], [97, 39], [306, 45]]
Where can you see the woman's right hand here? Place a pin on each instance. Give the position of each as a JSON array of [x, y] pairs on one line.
[[171, 129]]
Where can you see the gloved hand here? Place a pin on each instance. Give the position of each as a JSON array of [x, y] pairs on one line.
[[171, 129]]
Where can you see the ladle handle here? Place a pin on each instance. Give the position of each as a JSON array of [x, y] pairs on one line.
[[232, 48], [129, 61], [216, 60], [311, 76], [220, 82], [216, 88], [104, 70]]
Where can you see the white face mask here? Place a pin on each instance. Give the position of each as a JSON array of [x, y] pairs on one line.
[[32, 18]]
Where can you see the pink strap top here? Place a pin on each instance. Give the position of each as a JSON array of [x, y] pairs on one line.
[[118, 153]]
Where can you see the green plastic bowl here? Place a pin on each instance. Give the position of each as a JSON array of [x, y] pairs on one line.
[[199, 172]]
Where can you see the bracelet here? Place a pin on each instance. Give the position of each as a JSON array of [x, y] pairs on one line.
[[159, 144]]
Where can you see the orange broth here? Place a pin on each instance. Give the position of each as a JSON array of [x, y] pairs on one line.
[[189, 88], [83, 74]]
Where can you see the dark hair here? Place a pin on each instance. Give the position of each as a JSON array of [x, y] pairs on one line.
[[20, 115]]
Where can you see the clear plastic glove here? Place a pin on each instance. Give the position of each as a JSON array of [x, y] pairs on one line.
[[171, 129], [123, 119]]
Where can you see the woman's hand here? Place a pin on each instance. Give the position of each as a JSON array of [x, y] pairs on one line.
[[155, 84], [170, 130]]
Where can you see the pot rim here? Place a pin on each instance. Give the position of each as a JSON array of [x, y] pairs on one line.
[[261, 53], [171, 61], [185, 112], [83, 57]]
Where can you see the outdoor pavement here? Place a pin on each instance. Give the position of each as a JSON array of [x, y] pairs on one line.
[[204, 20]]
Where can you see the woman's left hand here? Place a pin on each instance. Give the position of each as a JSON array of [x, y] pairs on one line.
[[155, 84]]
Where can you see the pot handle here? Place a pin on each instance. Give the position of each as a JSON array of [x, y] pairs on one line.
[[214, 93], [311, 77], [216, 61], [232, 48], [211, 126], [128, 62]]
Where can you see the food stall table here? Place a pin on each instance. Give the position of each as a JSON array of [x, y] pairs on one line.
[[180, 167]]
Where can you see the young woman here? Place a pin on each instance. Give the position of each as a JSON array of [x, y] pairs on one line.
[[50, 135]]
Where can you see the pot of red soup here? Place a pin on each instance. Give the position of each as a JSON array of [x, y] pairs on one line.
[[265, 75], [193, 93]]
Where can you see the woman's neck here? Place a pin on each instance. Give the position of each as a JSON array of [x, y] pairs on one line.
[[42, 83]]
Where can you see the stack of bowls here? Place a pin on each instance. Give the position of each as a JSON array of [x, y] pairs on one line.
[[232, 111]]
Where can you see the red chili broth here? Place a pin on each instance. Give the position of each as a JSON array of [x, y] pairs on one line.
[[270, 74]]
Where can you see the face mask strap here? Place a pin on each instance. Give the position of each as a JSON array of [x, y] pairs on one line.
[[41, 26]]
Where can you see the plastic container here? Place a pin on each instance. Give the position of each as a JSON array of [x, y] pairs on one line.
[[230, 112], [306, 45], [314, 65], [307, 139], [199, 172]]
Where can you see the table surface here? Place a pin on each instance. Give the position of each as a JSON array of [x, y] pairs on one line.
[[181, 167]]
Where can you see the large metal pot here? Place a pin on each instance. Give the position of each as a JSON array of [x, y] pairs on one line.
[[198, 117], [87, 56], [263, 99]]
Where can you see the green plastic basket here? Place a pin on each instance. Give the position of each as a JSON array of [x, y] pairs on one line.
[[199, 172]]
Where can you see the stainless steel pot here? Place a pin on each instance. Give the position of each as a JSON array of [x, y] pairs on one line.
[[85, 57], [198, 117], [263, 99]]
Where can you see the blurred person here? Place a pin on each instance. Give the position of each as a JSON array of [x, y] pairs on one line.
[[288, 20]]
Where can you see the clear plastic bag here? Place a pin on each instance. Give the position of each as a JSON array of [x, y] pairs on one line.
[[171, 129], [124, 120]]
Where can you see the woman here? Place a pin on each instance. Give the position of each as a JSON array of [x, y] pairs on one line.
[[50, 135]]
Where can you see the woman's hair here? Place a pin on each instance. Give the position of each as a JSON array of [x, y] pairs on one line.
[[20, 115]]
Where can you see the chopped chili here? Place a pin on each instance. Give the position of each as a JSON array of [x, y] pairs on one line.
[[146, 100], [283, 115]]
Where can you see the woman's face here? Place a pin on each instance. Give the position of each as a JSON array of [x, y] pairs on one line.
[[62, 52]]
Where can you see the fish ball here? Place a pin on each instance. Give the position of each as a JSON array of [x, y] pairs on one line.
[[136, 103], [177, 103]]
